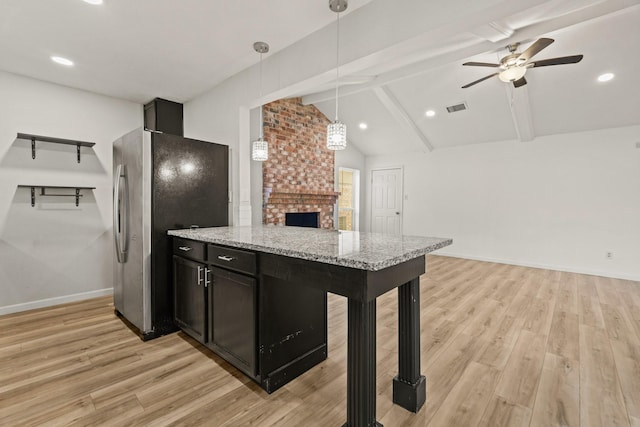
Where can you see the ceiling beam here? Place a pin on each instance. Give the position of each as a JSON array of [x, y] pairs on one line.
[[404, 72], [518, 99], [398, 112]]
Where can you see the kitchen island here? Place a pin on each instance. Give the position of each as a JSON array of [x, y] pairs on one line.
[[359, 266]]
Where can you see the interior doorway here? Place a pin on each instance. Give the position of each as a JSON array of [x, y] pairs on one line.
[[349, 199], [386, 201]]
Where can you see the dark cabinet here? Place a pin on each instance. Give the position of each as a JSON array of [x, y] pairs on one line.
[[270, 329], [233, 318], [190, 285], [161, 115]]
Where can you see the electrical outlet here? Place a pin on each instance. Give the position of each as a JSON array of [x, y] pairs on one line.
[[608, 255]]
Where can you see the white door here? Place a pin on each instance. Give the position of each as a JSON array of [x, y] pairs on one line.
[[386, 201]]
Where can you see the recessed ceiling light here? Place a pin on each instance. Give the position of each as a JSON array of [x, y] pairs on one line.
[[430, 113], [62, 61], [605, 77], [363, 125], [93, 1]]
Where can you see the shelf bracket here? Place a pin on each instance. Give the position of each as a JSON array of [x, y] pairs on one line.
[[33, 138], [77, 189], [44, 193]]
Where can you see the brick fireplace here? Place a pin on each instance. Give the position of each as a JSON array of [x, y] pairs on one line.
[[299, 175]]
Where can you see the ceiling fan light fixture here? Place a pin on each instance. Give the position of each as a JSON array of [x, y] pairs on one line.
[[512, 74], [513, 67]]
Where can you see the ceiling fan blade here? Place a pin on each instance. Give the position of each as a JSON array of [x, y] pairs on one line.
[[520, 82], [556, 61], [535, 48], [479, 80], [481, 64]]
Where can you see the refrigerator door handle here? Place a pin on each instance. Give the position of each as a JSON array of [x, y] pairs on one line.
[[120, 226], [116, 211]]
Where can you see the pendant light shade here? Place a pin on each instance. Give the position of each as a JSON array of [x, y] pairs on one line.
[[260, 147], [336, 136], [337, 131], [260, 150]]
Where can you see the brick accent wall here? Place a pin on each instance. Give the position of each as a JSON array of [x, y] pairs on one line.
[[299, 174]]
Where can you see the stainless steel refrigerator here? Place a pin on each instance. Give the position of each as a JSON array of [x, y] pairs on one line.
[[161, 182]]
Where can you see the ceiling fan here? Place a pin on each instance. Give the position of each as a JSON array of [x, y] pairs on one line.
[[514, 66]]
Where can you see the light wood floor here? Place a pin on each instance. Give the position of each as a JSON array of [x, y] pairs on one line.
[[501, 345]]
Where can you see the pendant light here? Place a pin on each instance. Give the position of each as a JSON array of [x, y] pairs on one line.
[[337, 131], [260, 148]]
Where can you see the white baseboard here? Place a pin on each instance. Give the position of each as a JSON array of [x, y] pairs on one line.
[[544, 266], [31, 305]]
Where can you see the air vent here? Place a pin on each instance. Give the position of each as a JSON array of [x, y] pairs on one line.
[[457, 107]]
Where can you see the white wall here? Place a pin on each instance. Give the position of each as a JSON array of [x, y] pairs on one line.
[[557, 202], [55, 252], [256, 172]]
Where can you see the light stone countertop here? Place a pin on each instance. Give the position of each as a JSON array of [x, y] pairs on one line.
[[364, 251]]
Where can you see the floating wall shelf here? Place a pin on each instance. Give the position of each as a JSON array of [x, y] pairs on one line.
[[43, 192], [34, 138]]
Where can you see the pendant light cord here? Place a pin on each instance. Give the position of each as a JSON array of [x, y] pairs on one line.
[[337, 61], [261, 117]]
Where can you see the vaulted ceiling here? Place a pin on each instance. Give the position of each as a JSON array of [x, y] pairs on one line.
[[557, 99], [141, 49]]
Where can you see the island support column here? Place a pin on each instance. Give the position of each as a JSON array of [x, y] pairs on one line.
[[361, 364], [409, 387]]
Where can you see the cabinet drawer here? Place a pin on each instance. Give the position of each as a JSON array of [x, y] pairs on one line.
[[189, 249], [232, 259]]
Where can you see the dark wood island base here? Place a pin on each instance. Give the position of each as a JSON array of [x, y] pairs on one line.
[[359, 266], [362, 287]]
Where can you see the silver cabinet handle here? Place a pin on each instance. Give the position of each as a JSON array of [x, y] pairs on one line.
[[200, 269], [207, 282], [185, 248], [225, 258]]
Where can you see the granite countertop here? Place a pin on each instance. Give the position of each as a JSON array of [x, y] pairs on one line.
[[364, 251]]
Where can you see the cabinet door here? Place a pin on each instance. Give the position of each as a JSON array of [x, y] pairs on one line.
[[233, 318], [190, 303]]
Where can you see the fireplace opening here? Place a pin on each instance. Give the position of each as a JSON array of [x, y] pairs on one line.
[[302, 219]]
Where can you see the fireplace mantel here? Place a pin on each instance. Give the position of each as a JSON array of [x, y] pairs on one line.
[[303, 198]]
